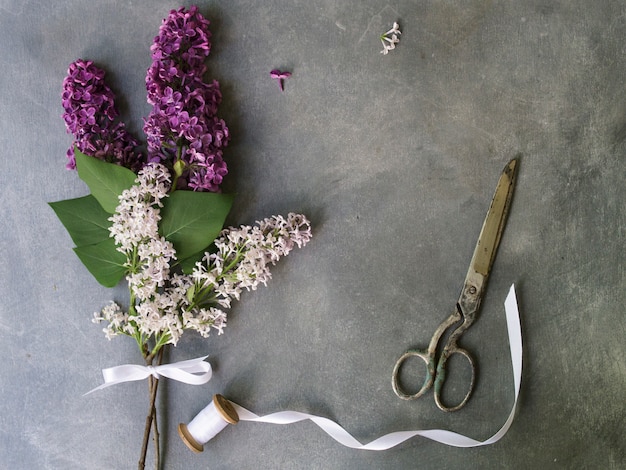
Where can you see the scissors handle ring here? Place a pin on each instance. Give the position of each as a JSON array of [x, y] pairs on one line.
[[440, 377], [428, 381]]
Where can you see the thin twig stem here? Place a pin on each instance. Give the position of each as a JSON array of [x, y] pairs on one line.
[[151, 416], [155, 425]]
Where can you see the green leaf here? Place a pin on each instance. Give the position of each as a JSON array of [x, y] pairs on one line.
[[84, 219], [103, 261], [105, 180], [191, 220], [188, 264], [190, 293]]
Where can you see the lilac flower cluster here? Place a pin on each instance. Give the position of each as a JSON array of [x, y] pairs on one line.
[[244, 256], [182, 130], [90, 116], [390, 39], [163, 304]]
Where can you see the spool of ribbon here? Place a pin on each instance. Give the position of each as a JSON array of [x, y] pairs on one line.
[[208, 423], [193, 371], [220, 412]]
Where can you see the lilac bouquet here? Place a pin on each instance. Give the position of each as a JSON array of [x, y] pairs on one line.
[[155, 216]]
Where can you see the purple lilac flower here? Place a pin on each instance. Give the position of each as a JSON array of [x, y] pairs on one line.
[[90, 115], [280, 76], [182, 130]]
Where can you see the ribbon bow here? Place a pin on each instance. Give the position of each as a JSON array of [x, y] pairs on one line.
[[192, 371]]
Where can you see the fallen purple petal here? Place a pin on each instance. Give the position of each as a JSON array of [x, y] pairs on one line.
[[280, 76]]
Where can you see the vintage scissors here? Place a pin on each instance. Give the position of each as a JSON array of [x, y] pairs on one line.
[[466, 309]]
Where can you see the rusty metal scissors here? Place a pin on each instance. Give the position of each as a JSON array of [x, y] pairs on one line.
[[466, 309]]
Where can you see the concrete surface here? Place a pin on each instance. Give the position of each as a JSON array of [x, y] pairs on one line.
[[395, 159]]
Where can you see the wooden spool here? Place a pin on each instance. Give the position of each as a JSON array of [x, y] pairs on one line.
[[226, 411]]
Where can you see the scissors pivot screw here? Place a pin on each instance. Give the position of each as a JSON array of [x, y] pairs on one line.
[[472, 290]]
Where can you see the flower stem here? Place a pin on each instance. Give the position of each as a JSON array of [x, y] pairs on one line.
[[178, 166], [151, 418]]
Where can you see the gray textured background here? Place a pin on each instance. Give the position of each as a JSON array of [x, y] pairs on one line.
[[394, 158]]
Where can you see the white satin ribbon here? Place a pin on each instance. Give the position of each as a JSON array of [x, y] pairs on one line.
[[393, 439], [192, 371]]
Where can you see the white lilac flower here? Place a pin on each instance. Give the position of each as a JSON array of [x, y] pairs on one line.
[[137, 216], [163, 305], [205, 320], [390, 39], [394, 30], [117, 319], [247, 253]]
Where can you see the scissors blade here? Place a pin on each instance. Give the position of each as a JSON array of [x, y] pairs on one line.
[[491, 232]]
